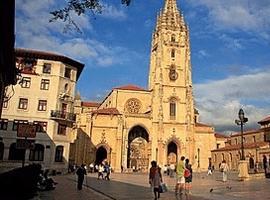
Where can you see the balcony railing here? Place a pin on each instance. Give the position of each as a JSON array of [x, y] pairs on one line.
[[61, 115]]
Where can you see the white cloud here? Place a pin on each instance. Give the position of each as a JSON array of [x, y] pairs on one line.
[[110, 11], [219, 101], [34, 31], [246, 15], [202, 53]]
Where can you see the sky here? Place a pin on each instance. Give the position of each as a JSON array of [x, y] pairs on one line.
[[230, 51]]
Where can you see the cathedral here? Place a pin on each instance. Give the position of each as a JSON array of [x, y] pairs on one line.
[[133, 126]]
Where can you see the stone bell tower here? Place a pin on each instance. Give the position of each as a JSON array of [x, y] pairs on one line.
[[171, 85]]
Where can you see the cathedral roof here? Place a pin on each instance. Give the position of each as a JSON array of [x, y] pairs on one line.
[[130, 87], [238, 146], [90, 104], [107, 111]]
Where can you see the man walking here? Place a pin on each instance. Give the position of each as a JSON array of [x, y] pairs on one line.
[[80, 173], [180, 179]]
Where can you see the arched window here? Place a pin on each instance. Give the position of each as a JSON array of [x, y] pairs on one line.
[[37, 154], [172, 109], [1, 150], [173, 53], [59, 153], [15, 154], [173, 38]]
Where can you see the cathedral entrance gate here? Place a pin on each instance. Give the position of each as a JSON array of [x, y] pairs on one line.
[[171, 153], [138, 149], [101, 154]]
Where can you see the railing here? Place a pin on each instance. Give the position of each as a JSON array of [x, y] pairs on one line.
[[58, 114]]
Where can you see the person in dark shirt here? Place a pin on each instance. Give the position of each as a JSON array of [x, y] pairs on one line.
[[80, 173]]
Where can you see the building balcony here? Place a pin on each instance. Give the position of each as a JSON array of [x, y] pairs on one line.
[[63, 116]]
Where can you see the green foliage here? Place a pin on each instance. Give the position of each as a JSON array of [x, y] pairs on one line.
[[78, 7]]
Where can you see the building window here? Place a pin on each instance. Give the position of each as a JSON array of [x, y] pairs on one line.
[[44, 85], [62, 129], [172, 110], [3, 124], [40, 126], [173, 53], [47, 68], [5, 102], [173, 38], [218, 146], [37, 154], [59, 154], [67, 72], [2, 150], [15, 154], [236, 142], [23, 103], [26, 82], [254, 138], [16, 122], [42, 105]]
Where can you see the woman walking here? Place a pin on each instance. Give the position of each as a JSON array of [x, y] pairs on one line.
[[155, 179], [224, 169]]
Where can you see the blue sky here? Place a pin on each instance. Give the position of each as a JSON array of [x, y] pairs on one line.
[[230, 51]]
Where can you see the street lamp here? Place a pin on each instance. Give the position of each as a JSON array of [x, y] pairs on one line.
[[241, 121]]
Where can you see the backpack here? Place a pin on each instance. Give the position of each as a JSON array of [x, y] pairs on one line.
[[187, 173]]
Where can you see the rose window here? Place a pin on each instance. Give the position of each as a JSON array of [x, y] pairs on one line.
[[133, 106]]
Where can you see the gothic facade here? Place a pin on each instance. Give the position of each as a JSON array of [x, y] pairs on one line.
[[133, 126]]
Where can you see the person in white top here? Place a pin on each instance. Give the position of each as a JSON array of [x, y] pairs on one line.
[[224, 169]]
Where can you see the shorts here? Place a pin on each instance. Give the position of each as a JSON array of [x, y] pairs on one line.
[[180, 180]]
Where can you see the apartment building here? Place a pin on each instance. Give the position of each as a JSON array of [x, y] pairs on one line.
[[43, 99]]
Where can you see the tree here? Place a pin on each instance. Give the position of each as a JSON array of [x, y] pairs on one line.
[[78, 7]]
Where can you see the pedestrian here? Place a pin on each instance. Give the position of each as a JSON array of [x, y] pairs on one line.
[[265, 164], [107, 169], [188, 179], [209, 170], [180, 179], [100, 170], [80, 173], [224, 169], [155, 179], [91, 167], [172, 170]]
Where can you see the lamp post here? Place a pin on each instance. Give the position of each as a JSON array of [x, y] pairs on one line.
[[241, 121]]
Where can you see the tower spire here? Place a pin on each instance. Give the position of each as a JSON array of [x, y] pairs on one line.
[[170, 16]]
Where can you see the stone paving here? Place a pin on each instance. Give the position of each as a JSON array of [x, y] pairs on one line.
[[135, 186]]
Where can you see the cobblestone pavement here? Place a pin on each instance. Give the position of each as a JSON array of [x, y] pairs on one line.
[[135, 186]]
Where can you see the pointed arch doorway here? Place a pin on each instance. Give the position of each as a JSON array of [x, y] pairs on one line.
[[172, 156], [138, 149], [101, 154]]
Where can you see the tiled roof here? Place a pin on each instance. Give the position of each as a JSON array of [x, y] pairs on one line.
[[49, 56], [246, 132], [90, 104], [130, 87], [107, 111], [202, 125], [219, 135], [238, 146], [267, 119]]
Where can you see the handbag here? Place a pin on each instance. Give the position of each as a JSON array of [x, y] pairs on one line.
[[163, 188]]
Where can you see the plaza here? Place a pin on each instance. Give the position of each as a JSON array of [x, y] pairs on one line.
[[135, 186]]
